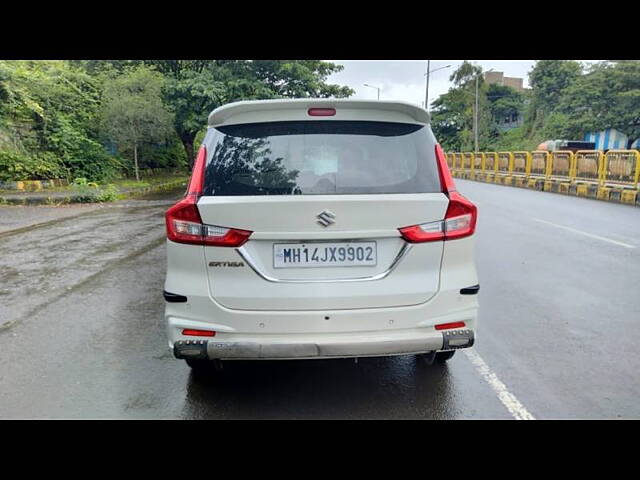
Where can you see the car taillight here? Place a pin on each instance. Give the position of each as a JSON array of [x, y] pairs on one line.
[[321, 112], [183, 221], [447, 326], [460, 219], [198, 333]]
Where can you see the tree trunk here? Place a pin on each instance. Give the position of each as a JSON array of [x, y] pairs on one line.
[[187, 141], [135, 160]]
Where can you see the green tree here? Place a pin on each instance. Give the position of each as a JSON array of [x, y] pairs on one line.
[[196, 87], [453, 113], [608, 96], [48, 111], [549, 81], [133, 112]]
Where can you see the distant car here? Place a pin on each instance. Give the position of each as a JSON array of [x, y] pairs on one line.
[[320, 228]]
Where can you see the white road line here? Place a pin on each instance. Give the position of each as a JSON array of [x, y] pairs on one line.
[[590, 235], [516, 409]]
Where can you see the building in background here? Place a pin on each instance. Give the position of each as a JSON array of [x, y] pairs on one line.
[[498, 78], [611, 139]]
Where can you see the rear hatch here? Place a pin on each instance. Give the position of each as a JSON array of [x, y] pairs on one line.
[[324, 199]]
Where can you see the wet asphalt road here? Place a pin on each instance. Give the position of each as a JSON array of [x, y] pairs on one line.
[[82, 336]]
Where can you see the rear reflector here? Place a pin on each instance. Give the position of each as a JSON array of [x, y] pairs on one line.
[[447, 326], [199, 333], [322, 112]]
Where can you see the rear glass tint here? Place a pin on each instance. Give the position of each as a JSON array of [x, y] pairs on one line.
[[320, 157]]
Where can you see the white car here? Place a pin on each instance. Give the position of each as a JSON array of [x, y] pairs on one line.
[[320, 228]]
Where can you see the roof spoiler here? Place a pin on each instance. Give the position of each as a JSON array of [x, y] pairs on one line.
[[296, 109]]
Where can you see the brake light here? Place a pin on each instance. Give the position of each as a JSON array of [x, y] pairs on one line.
[[183, 221], [459, 220], [322, 112], [198, 333]]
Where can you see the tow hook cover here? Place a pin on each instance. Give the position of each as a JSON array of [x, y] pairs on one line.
[[196, 349], [457, 339]]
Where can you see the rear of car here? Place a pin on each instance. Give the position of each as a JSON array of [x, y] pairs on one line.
[[319, 228]]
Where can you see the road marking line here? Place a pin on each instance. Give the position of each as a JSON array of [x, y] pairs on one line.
[[591, 235], [509, 400]]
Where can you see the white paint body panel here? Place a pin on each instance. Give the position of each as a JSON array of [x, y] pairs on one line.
[[293, 219], [296, 109], [386, 309]]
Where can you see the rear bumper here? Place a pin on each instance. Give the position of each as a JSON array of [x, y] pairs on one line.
[[327, 347]]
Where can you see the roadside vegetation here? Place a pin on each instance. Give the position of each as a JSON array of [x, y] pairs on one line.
[[99, 124], [566, 99]]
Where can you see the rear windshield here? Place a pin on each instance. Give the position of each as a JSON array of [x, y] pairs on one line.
[[320, 157]]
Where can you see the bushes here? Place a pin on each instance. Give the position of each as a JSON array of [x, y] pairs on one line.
[[15, 166], [90, 192]]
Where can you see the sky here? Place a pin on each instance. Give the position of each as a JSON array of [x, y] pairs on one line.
[[405, 79]]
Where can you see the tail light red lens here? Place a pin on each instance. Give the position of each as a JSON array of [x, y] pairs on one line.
[[198, 333], [446, 180], [183, 221], [447, 326], [460, 219], [321, 112]]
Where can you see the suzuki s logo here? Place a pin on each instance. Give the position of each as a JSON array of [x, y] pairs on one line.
[[325, 218]]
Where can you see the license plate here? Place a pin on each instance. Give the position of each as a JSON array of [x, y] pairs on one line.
[[316, 254]]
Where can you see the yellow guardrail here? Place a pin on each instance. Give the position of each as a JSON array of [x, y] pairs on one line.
[[490, 162], [561, 165], [585, 169], [621, 167], [478, 161], [505, 162], [449, 157], [457, 160], [588, 166], [521, 163], [540, 163], [467, 160]]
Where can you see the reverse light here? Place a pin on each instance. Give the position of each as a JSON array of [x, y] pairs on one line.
[[198, 333], [447, 326], [459, 220], [183, 221]]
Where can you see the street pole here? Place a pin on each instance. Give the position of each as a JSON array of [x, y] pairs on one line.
[[475, 118], [372, 86], [426, 97], [428, 74]]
